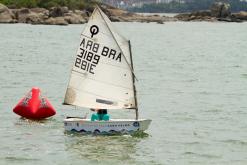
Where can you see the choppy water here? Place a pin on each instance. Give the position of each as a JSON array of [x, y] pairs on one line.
[[192, 84]]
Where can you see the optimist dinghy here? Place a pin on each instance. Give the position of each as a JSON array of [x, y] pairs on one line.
[[102, 77]]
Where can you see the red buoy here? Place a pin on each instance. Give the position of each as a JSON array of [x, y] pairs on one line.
[[34, 106]]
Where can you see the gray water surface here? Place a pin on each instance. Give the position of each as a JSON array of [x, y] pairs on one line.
[[192, 82]]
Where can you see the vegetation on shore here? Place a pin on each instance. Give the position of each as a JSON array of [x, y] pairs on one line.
[[64, 13], [172, 7], [194, 5], [71, 4]]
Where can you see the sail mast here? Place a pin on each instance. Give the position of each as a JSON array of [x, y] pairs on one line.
[[133, 79]]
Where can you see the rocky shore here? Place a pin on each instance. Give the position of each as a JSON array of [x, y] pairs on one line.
[[218, 12], [64, 16]]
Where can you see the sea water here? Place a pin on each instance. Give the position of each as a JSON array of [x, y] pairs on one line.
[[192, 82]]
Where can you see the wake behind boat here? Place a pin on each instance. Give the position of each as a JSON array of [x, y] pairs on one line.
[[102, 77]]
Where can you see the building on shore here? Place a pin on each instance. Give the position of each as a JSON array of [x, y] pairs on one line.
[[130, 3], [137, 3]]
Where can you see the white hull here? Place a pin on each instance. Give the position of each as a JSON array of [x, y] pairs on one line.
[[125, 126]]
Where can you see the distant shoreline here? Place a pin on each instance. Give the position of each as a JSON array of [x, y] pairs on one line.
[[64, 16]]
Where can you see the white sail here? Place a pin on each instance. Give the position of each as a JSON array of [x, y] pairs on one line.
[[101, 75]]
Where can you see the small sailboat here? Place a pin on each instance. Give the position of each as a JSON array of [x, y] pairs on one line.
[[102, 77]]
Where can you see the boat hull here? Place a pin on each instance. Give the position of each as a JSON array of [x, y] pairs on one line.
[[123, 126]]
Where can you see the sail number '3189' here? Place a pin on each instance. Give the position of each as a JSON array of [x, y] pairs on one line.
[[89, 54]]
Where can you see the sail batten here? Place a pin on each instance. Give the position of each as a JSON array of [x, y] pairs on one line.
[[104, 82], [95, 94], [102, 72]]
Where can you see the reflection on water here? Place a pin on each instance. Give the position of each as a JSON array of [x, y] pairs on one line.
[[24, 123], [103, 149]]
